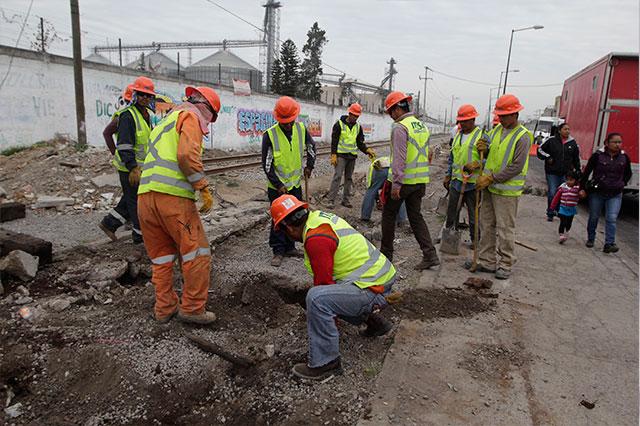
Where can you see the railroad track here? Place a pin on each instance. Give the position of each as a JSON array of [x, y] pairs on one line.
[[244, 161]]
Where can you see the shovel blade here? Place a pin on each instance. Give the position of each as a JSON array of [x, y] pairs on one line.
[[443, 203], [450, 241]]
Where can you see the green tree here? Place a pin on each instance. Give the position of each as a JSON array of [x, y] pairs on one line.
[[290, 69], [276, 76], [311, 69]]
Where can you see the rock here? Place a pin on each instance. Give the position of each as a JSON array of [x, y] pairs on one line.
[[10, 241], [109, 271], [14, 411], [47, 201], [3, 193], [78, 178], [67, 163], [106, 180], [11, 211], [134, 270], [23, 300], [87, 206], [22, 290], [20, 264], [108, 196], [59, 305], [270, 350]]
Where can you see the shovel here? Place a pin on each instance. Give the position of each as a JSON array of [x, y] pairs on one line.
[[306, 190], [441, 208], [474, 264], [451, 236]]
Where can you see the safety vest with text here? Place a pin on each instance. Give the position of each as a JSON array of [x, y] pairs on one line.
[[417, 162], [161, 172], [464, 153], [347, 142], [287, 155], [372, 166], [501, 155], [356, 260], [142, 139]]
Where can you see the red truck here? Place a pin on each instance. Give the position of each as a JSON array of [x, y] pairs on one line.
[[603, 98]]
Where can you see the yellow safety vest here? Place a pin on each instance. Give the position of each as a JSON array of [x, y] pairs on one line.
[[142, 139], [417, 162], [465, 153], [501, 155], [161, 172], [287, 155], [356, 259], [347, 142], [372, 167]]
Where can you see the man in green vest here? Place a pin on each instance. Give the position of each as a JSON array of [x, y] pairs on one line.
[[283, 148], [464, 160], [408, 177], [347, 138], [506, 169], [134, 127], [351, 278]]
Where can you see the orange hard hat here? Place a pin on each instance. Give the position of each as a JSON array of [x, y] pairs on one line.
[[144, 85], [286, 110], [355, 109], [507, 104], [283, 206], [128, 93], [394, 98], [208, 93], [466, 112]]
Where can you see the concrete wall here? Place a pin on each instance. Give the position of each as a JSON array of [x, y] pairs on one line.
[[37, 101]]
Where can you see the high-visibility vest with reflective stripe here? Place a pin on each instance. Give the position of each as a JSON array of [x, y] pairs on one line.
[[501, 155], [287, 156], [416, 168], [372, 168], [142, 138], [347, 142], [356, 259], [161, 172], [464, 153]]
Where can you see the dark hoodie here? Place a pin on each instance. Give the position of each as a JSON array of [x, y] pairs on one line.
[[565, 156]]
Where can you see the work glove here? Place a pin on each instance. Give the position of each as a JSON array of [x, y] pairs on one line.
[[134, 176], [482, 145], [282, 190], [395, 193], [484, 181], [470, 167], [371, 153], [307, 172], [446, 182], [207, 200], [334, 160]]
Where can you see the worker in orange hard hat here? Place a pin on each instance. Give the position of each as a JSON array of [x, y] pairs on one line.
[[464, 166], [169, 219], [407, 179], [347, 138], [351, 281], [134, 127], [283, 148], [504, 177]]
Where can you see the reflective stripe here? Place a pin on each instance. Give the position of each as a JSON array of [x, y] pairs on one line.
[[157, 161], [386, 267], [334, 219], [514, 137], [505, 187], [298, 128], [344, 146], [416, 175], [345, 232], [137, 231], [202, 251], [125, 147], [195, 177], [160, 260], [275, 139], [474, 137], [167, 181], [117, 215], [374, 255]]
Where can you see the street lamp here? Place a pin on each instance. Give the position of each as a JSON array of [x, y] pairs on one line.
[[453, 98], [489, 109], [535, 27], [501, 74]]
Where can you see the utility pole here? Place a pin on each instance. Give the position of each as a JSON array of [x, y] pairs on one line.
[[42, 34], [424, 100], [451, 110], [120, 50], [77, 75]]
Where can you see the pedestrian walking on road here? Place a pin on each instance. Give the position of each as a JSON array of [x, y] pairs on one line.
[[376, 177], [351, 279], [611, 169], [283, 148], [561, 154], [464, 158], [134, 127], [407, 179], [169, 219], [565, 201], [346, 139], [506, 169]]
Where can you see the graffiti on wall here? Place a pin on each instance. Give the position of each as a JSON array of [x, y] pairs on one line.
[[253, 122], [313, 125], [367, 130]]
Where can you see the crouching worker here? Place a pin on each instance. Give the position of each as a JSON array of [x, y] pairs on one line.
[[351, 280]]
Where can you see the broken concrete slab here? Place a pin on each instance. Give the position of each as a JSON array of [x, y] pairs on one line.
[[11, 211], [59, 305], [20, 264], [10, 241], [109, 271], [106, 180], [48, 201]]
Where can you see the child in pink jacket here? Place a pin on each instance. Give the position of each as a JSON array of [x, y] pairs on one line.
[[567, 196]]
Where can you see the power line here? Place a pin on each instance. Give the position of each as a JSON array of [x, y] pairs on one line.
[[17, 42], [236, 15], [484, 83]]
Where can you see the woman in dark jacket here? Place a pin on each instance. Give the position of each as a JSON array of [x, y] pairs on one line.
[[561, 154], [611, 169]]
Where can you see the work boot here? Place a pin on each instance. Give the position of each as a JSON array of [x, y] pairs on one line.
[[165, 320], [111, 234], [204, 318], [347, 204], [479, 267], [502, 274], [303, 371], [294, 253], [589, 243], [610, 248], [377, 325], [427, 263], [277, 260]]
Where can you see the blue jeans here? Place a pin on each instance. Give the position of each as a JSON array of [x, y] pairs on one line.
[[344, 300], [369, 200], [553, 182], [611, 206]]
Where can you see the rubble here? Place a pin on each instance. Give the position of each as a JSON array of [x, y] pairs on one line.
[[14, 411], [59, 305], [106, 180], [108, 271], [20, 264], [11, 211], [48, 201]]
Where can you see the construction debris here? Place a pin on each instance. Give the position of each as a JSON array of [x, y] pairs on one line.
[[11, 211], [211, 347], [20, 264], [10, 241], [48, 201], [478, 283]]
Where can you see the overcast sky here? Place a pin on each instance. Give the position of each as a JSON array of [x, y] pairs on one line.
[[461, 38]]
